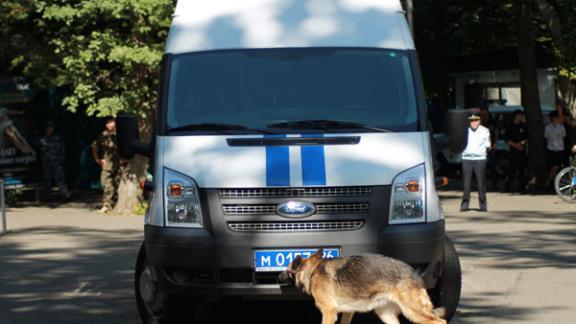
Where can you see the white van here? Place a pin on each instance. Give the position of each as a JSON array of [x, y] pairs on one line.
[[283, 127]]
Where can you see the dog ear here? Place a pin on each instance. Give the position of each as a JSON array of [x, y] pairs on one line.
[[297, 263], [318, 253]]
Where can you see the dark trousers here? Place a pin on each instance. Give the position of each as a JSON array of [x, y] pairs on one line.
[[517, 170], [478, 167], [54, 172]]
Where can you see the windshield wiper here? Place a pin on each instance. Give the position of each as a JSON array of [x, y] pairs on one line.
[[324, 124], [214, 127]]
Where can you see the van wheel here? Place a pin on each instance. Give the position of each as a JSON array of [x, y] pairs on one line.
[[448, 288], [154, 306]]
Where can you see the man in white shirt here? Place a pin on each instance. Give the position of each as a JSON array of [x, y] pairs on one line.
[[554, 133], [474, 161]]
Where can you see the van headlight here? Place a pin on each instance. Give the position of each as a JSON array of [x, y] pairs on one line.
[[408, 202], [181, 200]]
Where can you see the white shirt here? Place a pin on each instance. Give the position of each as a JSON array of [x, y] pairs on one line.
[[555, 137], [478, 144]]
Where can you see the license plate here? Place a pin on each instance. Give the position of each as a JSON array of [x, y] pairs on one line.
[[278, 260]]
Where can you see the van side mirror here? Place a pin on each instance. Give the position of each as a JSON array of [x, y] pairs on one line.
[[128, 137], [456, 129]]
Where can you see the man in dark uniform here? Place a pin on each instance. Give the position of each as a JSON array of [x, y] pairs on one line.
[[53, 154], [516, 140], [106, 155]]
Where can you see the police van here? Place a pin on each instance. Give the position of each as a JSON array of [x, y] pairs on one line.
[[283, 127]]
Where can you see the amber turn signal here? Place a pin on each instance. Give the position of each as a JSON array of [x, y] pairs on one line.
[[175, 190], [413, 186]]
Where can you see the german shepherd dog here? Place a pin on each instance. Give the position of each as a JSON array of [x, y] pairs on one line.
[[363, 283]]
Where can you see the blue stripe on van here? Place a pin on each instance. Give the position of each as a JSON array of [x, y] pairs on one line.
[[313, 163], [277, 164]]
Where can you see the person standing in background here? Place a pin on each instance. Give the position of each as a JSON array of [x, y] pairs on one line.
[[105, 154], [486, 118], [516, 140], [474, 161], [554, 133], [53, 154]]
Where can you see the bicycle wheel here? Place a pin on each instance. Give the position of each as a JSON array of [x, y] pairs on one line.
[[565, 184]]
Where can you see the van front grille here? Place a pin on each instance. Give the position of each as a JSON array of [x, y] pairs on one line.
[[249, 209], [342, 208], [270, 209], [292, 227], [295, 192]]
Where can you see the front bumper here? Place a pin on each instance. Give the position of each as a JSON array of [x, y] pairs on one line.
[[191, 261]]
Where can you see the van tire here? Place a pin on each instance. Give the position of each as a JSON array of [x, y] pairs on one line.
[[166, 308], [449, 286]]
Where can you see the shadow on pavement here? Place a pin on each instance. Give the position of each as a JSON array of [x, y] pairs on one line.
[[509, 249], [486, 309], [80, 198], [511, 240], [266, 312], [62, 274], [66, 274]]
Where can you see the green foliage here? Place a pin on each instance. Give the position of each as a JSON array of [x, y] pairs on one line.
[[448, 28], [23, 49], [566, 51], [13, 197], [107, 52], [462, 27], [141, 208], [444, 29]]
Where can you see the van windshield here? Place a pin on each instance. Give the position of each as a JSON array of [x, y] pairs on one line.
[[296, 90]]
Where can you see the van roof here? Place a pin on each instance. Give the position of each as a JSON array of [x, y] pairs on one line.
[[200, 25]]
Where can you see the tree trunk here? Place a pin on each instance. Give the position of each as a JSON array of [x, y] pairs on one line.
[[443, 80], [129, 192], [131, 173], [529, 84]]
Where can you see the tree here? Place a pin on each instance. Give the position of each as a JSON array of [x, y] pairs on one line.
[[23, 47], [111, 50], [558, 16], [107, 52], [448, 28], [529, 86]]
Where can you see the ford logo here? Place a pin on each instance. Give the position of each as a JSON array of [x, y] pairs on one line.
[[295, 209]]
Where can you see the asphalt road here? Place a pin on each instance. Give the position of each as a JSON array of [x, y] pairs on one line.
[[69, 264]]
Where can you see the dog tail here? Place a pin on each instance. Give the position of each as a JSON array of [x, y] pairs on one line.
[[440, 311], [425, 300], [417, 307]]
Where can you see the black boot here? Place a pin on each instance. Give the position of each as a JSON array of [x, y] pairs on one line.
[[464, 206], [483, 207]]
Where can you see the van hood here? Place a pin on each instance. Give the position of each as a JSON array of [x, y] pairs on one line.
[[375, 160]]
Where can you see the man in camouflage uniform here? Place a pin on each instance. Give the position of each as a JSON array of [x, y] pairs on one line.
[[53, 154], [106, 155]]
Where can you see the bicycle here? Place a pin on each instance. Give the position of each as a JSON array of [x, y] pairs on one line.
[[565, 182]]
